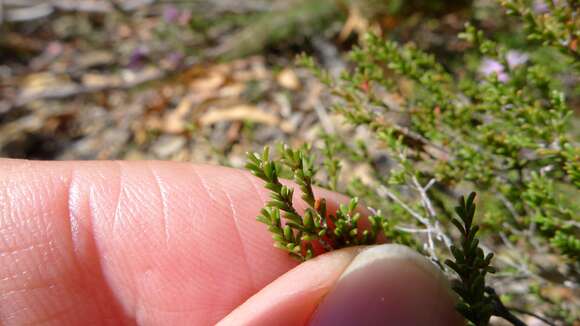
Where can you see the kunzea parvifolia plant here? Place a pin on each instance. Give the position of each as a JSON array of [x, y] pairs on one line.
[[500, 125]]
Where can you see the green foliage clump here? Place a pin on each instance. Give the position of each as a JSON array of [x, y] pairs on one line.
[[316, 230], [501, 126], [559, 28], [498, 131]]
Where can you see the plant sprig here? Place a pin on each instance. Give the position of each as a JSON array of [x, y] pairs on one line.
[[478, 301], [317, 230], [471, 264]]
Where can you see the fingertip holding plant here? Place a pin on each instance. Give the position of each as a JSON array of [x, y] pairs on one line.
[[318, 231]]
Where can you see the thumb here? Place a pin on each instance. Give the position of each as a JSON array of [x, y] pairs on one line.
[[378, 285]]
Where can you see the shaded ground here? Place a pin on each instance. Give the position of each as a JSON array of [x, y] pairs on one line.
[[95, 87], [140, 79]]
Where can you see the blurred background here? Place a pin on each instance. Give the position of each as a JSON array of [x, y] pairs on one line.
[[202, 81], [208, 80]]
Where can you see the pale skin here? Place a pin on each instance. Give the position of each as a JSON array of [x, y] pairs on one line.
[[155, 243]]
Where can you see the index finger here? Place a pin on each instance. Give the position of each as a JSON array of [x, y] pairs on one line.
[[133, 242]]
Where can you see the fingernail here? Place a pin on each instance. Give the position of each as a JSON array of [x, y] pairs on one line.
[[388, 285]]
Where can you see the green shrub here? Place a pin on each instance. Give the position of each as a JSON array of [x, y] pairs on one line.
[[501, 127]]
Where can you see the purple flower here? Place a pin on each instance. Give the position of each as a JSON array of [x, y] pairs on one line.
[[170, 14], [516, 58], [490, 66], [137, 57], [540, 7]]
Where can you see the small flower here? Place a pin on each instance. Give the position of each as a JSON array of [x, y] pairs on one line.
[[516, 58], [540, 7], [490, 66], [170, 14], [137, 57]]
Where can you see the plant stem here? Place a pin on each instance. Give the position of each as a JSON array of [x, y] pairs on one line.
[[501, 310]]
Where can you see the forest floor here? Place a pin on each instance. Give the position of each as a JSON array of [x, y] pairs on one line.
[[132, 85], [86, 79], [147, 80]]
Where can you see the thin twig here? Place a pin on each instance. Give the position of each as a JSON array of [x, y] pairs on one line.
[[412, 230], [430, 184], [424, 198], [394, 197], [525, 312], [417, 216], [501, 310], [518, 262], [508, 205], [431, 210]]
